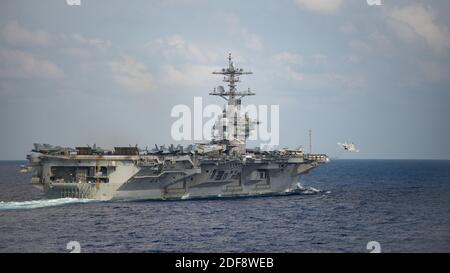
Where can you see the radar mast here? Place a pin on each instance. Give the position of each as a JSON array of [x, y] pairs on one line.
[[232, 126], [231, 76]]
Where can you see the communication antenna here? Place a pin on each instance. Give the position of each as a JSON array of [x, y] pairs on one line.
[[97, 178], [310, 142], [231, 76]]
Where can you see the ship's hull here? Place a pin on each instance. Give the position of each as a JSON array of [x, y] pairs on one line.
[[201, 186], [131, 181]]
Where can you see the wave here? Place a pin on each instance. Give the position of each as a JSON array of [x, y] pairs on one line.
[[41, 203], [310, 190]]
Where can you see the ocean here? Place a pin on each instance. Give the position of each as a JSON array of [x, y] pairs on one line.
[[403, 205]]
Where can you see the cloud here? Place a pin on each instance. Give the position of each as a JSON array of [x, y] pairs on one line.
[[90, 42], [288, 58], [76, 45], [81, 47], [375, 42], [415, 21], [250, 39], [188, 75], [15, 34], [185, 64], [18, 64], [347, 28], [176, 47], [286, 61], [132, 75], [314, 72], [318, 60], [327, 80], [320, 6], [434, 72], [351, 58], [182, 2], [313, 61], [294, 75]]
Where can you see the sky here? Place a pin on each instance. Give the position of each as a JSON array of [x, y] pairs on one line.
[[109, 72]]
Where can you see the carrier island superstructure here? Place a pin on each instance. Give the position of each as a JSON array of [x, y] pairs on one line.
[[223, 167]]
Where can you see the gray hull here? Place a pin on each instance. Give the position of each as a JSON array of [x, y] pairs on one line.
[[177, 177], [202, 185]]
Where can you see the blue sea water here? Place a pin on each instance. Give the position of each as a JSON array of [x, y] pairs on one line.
[[402, 204]]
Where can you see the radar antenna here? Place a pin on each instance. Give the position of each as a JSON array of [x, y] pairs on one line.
[[231, 76]]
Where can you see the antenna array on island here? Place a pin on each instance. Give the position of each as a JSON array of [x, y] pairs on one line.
[[231, 77]]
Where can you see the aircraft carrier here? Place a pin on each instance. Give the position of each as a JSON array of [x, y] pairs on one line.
[[223, 167]]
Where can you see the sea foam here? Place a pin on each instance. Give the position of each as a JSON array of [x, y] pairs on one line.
[[41, 203]]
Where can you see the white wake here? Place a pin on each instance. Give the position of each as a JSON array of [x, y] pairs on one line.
[[309, 190], [41, 203]]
